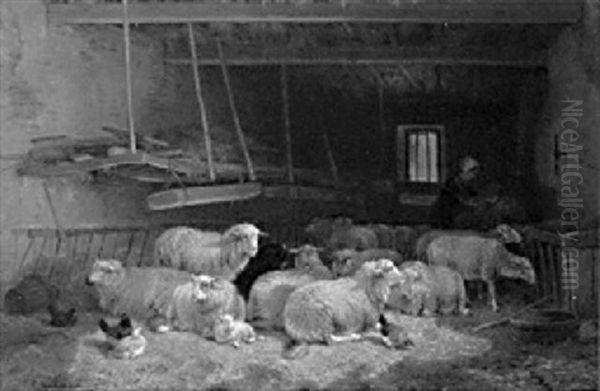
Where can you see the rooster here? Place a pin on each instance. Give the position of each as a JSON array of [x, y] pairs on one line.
[[115, 333], [61, 318]]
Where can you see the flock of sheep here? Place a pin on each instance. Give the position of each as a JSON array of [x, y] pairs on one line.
[[222, 285]]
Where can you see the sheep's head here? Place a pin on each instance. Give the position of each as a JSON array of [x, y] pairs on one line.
[[225, 323], [507, 234], [519, 268], [306, 256], [381, 275], [319, 228], [343, 264], [239, 244], [202, 285], [106, 272]]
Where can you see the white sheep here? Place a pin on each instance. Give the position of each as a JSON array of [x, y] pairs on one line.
[[196, 305], [340, 310], [138, 292], [347, 261], [430, 289], [504, 233], [201, 252], [477, 258], [270, 291]]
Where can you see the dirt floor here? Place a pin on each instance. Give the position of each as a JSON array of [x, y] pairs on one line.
[[446, 356]]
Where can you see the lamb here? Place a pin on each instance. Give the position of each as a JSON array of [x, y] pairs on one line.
[[196, 305], [346, 309], [346, 262], [201, 252], [270, 291], [270, 257], [430, 289], [139, 292], [477, 258], [228, 330], [131, 346], [503, 232]]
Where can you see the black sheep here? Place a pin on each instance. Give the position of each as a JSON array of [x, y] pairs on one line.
[[270, 257], [61, 318]]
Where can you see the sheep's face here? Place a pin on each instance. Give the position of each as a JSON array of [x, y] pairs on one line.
[[319, 228], [383, 275], [306, 257], [105, 273], [342, 262], [202, 285], [519, 268], [247, 235], [225, 323], [507, 234]]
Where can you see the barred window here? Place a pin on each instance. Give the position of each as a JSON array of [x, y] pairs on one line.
[[420, 153]]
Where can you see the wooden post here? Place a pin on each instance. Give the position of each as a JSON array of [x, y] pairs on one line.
[[287, 124], [202, 106], [236, 120], [332, 165], [130, 120]]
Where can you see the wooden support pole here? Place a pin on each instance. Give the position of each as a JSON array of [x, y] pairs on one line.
[[332, 165], [201, 105], [236, 120], [287, 124], [130, 120]]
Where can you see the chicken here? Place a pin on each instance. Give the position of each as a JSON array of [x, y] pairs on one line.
[[118, 331]]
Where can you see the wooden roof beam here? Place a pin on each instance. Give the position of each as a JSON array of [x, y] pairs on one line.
[[426, 11], [494, 56]]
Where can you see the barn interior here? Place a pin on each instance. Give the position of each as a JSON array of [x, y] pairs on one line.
[[122, 118]]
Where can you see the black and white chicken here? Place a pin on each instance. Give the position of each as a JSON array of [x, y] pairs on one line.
[[118, 331]]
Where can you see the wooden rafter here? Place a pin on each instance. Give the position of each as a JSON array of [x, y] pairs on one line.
[[428, 11], [387, 55]]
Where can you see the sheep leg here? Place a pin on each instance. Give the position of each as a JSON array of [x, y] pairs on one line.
[[492, 292], [346, 338]]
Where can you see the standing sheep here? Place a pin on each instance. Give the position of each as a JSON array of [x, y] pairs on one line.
[[139, 292], [346, 262], [347, 235], [386, 235], [477, 258], [503, 233], [202, 252], [196, 305], [271, 290], [340, 310], [430, 289]]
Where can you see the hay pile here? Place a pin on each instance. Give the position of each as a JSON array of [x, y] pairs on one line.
[[77, 357]]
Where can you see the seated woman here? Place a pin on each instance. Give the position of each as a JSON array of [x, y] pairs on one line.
[[457, 204]]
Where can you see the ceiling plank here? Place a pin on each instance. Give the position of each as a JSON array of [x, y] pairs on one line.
[[481, 56], [440, 11]]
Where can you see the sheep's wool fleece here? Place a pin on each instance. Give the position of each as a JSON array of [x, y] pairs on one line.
[[269, 295], [189, 314], [318, 310], [139, 292], [473, 257]]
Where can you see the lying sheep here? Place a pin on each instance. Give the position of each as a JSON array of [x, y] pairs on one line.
[[270, 257], [346, 262], [270, 291], [139, 292], [211, 253], [197, 304], [503, 232], [430, 289], [340, 310], [477, 258]]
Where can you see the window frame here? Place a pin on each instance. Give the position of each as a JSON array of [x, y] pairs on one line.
[[402, 132]]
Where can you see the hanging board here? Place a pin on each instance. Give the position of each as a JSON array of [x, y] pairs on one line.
[[203, 195]]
